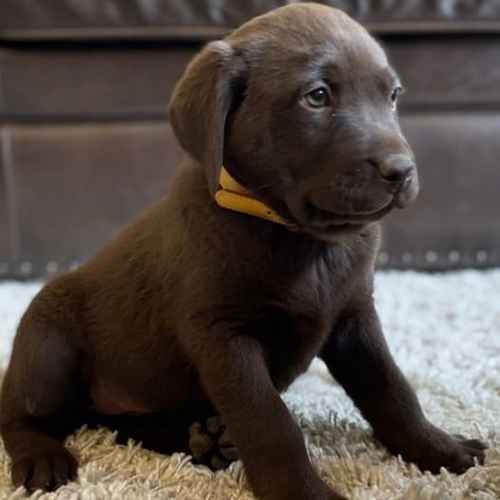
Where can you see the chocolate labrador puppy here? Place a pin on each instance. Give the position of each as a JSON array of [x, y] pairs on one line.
[[215, 299]]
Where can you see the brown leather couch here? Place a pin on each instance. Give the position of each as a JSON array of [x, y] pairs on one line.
[[85, 142]]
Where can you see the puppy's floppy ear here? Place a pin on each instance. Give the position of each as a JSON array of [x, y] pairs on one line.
[[201, 102]]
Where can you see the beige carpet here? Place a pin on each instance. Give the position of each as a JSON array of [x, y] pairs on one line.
[[444, 332]]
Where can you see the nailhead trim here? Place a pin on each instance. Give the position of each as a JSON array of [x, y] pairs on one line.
[[431, 256], [52, 267], [454, 256], [407, 257], [481, 256], [26, 268], [452, 259]]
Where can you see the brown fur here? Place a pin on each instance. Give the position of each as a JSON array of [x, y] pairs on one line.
[[194, 310]]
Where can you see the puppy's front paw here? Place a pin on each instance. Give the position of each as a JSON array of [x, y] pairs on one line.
[[45, 469], [211, 445], [435, 449]]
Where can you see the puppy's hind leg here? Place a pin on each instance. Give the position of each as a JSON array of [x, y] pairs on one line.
[[39, 402]]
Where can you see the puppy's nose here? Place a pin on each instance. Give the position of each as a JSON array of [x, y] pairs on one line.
[[394, 168]]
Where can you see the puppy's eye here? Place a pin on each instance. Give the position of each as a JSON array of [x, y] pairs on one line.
[[396, 92], [318, 98]]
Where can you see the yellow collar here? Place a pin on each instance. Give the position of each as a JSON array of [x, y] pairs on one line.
[[234, 196]]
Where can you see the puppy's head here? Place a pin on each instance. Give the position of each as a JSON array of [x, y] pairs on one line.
[[300, 105]]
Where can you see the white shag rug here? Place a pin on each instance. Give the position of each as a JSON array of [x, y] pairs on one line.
[[444, 331]]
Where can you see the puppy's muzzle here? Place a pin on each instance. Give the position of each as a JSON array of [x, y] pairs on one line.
[[365, 192]]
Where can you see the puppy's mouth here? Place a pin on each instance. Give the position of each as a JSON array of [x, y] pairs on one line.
[[321, 219], [320, 222]]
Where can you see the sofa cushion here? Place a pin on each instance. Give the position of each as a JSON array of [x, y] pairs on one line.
[[74, 186], [202, 19]]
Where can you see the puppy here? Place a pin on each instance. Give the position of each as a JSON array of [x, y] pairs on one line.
[[261, 257]]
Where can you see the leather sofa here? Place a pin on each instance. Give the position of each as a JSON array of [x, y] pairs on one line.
[[85, 141]]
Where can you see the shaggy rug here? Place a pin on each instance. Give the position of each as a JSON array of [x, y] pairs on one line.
[[444, 331]]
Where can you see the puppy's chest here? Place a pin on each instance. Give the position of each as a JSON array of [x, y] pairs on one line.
[[298, 317], [290, 341]]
